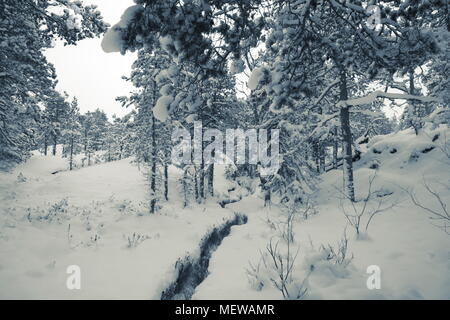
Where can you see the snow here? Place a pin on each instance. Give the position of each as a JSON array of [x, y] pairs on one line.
[[162, 107], [97, 218], [104, 205], [255, 78], [371, 97], [73, 22], [167, 44], [112, 40], [412, 253]]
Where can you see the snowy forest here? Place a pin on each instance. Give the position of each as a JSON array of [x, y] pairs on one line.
[[268, 149]]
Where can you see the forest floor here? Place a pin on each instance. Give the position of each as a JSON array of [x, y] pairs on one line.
[[97, 218]]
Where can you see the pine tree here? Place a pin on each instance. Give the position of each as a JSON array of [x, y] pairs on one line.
[[26, 78], [72, 133]]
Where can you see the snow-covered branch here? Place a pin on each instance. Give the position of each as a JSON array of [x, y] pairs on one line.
[[371, 97], [325, 92]]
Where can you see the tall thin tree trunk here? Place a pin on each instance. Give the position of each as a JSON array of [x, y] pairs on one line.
[[202, 180], [71, 153], [166, 182], [153, 170], [415, 122], [335, 147], [85, 140], [45, 145], [346, 139], [196, 185], [211, 179], [55, 141], [322, 157], [316, 155]]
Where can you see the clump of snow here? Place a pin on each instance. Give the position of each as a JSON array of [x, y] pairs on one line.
[[166, 90], [73, 22], [167, 44], [191, 118], [112, 40], [256, 77], [162, 107]]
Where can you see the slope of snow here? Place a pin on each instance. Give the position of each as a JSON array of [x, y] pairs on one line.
[[412, 254], [96, 218]]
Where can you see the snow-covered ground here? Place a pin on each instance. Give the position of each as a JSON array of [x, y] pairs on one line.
[[97, 218], [412, 254], [92, 218]]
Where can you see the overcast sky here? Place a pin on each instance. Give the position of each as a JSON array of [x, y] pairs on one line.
[[88, 73]]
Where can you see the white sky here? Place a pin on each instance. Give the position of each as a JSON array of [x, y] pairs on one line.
[[88, 73]]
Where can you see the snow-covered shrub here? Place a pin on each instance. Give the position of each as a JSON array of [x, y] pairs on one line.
[[135, 239], [338, 255], [129, 208], [438, 210], [56, 212], [360, 213], [324, 263], [276, 265], [442, 142], [276, 268], [21, 178], [186, 185]]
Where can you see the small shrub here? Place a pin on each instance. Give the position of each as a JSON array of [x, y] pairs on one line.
[[135, 240]]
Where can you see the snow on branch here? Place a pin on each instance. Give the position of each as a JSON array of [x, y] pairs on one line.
[[371, 97], [325, 92]]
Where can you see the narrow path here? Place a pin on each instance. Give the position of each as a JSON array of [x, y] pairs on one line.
[[191, 272]]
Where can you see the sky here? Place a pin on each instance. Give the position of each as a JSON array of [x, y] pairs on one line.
[[91, 75]]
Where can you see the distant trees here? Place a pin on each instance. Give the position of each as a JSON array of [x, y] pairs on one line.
[[314, 81], [150, 137], [57, 116], [72, 133], [26, 78], [94, 127]]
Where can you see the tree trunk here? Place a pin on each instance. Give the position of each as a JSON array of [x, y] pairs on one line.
[[266, 190], [71, 154], [347, 140], [55, 141], [211, 179], [202, 180], [196, 185], [166, 182], [335, 148], [321, 157], [45, 145], [316, 155], [415, 122], [85, 140], [153, 170]]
